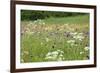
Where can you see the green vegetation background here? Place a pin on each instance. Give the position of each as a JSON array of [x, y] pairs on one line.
[[34, 15]]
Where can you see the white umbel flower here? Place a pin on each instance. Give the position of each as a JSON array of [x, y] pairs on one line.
[[55, 55], [86, 48]]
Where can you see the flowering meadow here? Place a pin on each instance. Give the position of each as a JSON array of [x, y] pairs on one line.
[[55, 39]]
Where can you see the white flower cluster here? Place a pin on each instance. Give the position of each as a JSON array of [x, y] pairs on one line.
[[75, 36], [71, 42], [78, 36], [55, 55], [86, 49]]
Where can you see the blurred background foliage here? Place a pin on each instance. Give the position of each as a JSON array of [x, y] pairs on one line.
[[34, 15]]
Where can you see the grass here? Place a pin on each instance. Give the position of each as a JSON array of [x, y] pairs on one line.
[[55, 39], [70, 20]]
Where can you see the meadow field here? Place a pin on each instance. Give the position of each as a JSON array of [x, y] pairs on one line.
[[55, 39]]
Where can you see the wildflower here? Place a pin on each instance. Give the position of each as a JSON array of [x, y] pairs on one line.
[[73, 33], [60, 51], [43, 23], [48, 54], [71, 41], [78, 36], [81, 33], [81, 52], [60, 58], [55, 55], [72, 44], [86, 48], [80, 39], [47, 39], [61, 55], [51, 55], [41, 43]]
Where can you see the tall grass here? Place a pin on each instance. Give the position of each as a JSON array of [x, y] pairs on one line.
[[55, 39]]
